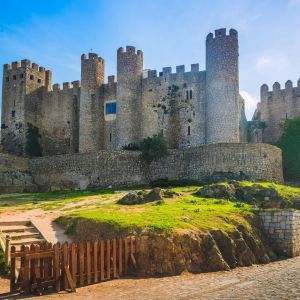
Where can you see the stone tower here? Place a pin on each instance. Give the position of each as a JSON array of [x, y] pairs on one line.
[[222, 87], [129, 91], [92, 77], [20, 91]]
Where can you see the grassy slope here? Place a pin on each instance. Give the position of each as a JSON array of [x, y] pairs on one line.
[[184, 211]]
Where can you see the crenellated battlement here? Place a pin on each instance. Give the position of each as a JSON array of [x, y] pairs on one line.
[[66, 86], [167, 71], [276, 89], [221, 33], [130, 50], [24, 64], [92, 57]]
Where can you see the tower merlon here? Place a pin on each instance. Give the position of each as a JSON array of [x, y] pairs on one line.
[[167, 70], [276, 86], [194, 67], [111, 79], [25, 63], [180, 69], [152, 73], [6, 67], [35, 66], [15, 65], [289, 85], [66, 85], [56, 87], [76, 84]]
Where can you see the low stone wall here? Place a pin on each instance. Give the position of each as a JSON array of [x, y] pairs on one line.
[[15, 175], [124, 168], [283, 229]]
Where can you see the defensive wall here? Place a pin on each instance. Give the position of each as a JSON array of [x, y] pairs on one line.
[[125, 168]]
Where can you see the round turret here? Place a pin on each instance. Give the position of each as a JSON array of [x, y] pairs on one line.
[[129, 75], [222, 87], [92, 77]]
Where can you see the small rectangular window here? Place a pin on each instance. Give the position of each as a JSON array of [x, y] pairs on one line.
[[39, 80], [21, 76], [14, 77], [31, 77], [191, 94], [7, 79], [111, 108], [110, 137], [13, 113], [187, 95], [189, 130]]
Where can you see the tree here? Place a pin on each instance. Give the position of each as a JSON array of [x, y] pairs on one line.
[[32, 146], [154, 148], [290, 146]]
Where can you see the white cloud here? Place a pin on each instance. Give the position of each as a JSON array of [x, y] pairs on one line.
[[250, 104], [263, 62]]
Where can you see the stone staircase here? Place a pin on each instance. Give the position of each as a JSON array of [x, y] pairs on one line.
[[20, 233]]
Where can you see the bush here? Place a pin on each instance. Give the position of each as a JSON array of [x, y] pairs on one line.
[[32, 146], [290, 145], [132, 147], [154, 148]]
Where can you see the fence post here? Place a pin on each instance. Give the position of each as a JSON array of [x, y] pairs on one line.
[[7, 249], [12, 270]]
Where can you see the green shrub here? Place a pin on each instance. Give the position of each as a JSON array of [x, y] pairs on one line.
[[154, 148], [290, 146], [132, 147]]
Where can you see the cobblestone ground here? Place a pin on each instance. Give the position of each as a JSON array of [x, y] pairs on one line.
[[278, 280]]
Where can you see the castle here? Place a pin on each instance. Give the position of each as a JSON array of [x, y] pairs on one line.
[[275, 106], [192, 108], [84, 126]]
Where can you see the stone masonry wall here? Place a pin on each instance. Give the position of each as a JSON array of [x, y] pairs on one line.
[[275, 106], [124, 168], [14, 174], [283, 229]]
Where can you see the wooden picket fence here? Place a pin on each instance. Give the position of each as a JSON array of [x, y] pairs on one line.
[[67, 266]]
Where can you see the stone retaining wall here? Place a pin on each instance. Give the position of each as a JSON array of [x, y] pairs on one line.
[[124, 168], [15, 175], [283, 229]]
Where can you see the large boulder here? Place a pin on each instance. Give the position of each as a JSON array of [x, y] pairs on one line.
[[217, 191], [131, 199]]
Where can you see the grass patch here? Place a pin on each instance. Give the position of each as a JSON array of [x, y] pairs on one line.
[[186, 211]]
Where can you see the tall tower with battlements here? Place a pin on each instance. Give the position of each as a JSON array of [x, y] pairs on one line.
[[21, 82], [222, 87], [92, 77], [129, 92]]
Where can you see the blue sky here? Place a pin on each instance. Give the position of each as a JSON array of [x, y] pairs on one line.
[[55, 33]]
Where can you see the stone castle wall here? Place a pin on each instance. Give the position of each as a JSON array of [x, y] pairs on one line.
[[124, 168], [192, 108], [275, 106], [15, 175], [283, 230]]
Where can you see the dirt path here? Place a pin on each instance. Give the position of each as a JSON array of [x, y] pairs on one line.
[[276, 281]]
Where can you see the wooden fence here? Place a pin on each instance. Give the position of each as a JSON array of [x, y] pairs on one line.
[[68, 266]]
